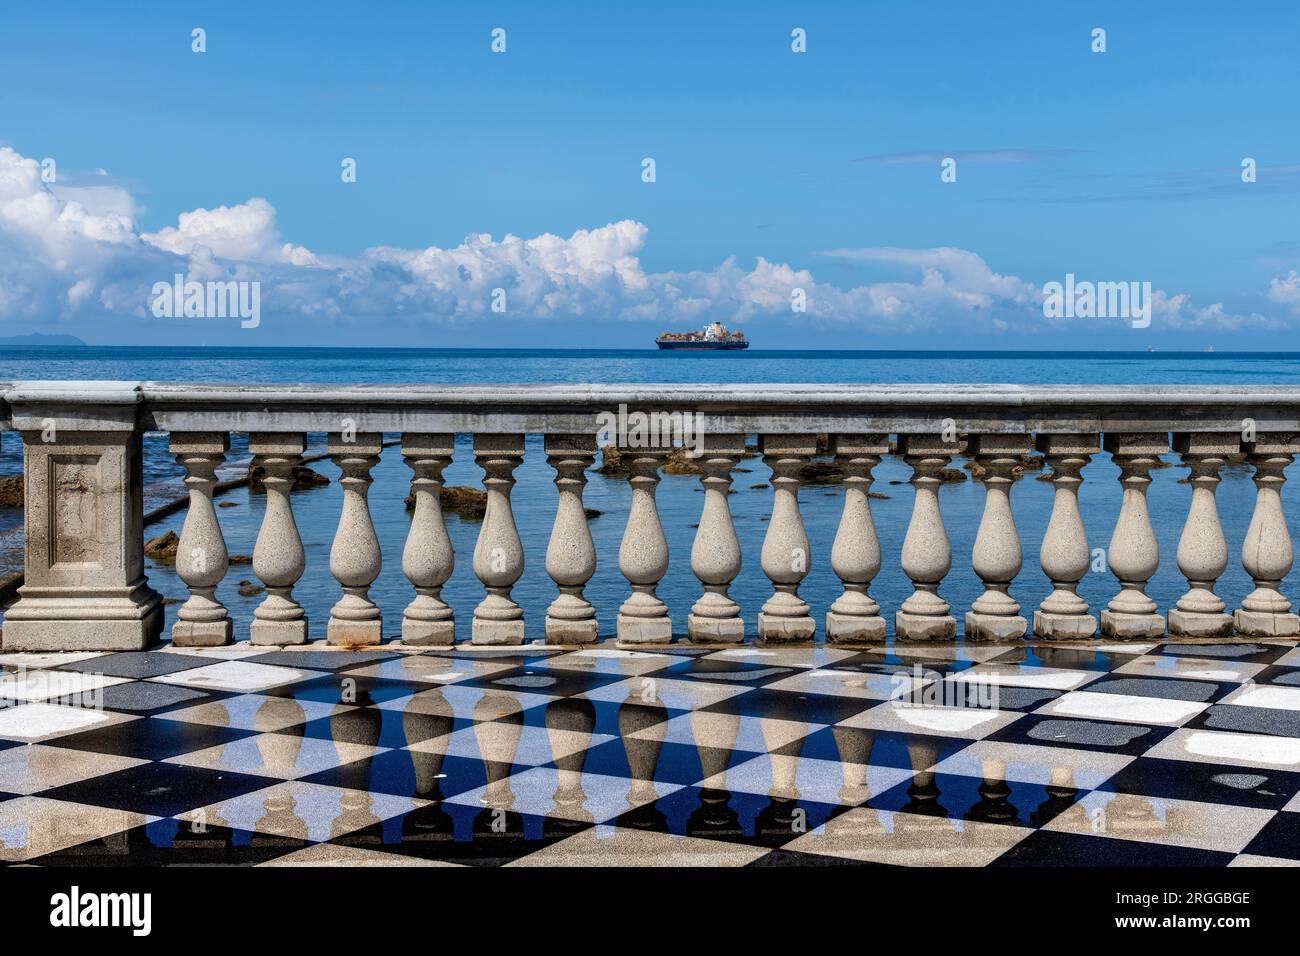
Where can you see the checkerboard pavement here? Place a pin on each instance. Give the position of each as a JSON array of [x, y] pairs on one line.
[[973, 755]]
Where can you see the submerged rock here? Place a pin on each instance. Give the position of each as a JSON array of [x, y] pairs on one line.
[[163, 548], [303, 478], [11, 491], [1026, 462], [469, 503]]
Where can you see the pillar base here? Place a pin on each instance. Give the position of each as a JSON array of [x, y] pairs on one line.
[[994, 627], [202, 633], [560, 631], [1193, 624], [434, 633], [846, 629], [715, 630], [354, 633], [785, 630], [1247, 623], [924, 627], [644, 630], [496, 632], [1064, 627], [109, 634], [1131, 627], [278, 633]]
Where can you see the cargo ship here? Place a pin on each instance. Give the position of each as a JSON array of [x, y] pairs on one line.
[[714, 336]]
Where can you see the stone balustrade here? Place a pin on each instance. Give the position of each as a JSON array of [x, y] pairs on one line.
[[85, 584]]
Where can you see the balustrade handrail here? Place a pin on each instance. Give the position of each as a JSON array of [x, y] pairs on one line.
[[86, 587]]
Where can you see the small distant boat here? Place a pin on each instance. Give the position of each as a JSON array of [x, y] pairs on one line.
[[1150, 349], [714, 336]]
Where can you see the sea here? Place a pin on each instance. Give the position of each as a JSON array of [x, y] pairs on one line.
[[680, 497]]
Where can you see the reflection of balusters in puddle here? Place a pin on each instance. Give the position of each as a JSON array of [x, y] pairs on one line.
[[279, 755], [644, 716], [782, 815], [1129, 814], [923, 790], [359, 724], [1061, 794], [569, 725], [854, 747], [715, 739], [994, 804], [427, 719], [498, 728]]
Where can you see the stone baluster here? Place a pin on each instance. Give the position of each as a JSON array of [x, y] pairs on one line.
[[715, 555], [996, 557], [278, 558], [355, 558], [427, 558], [1266, 553], [926, 557], [855, 618], [643, 555], [201, 556], [570, 555], [498, 554], [786, 556], [1134, 554], [1064, 555], [1202, 548]]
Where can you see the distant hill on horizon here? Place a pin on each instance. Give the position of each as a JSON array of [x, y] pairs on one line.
[[41, 340]]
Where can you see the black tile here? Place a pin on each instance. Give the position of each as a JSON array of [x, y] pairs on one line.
[[150, 738], [1205, 783], [874, 747], [547, 681], [322, 660], [1280, 837], [957, 797], [603, 717], [732, 817], [1252, 720], [377, 727], [1046, 848], [149, 697], [1164, 688], [791, 705], [1131, 739], [794, 858], [1279, 674], [726, 672], [159, 789], [1249, 652], [345, 688], [408, 773], [140, 664], [663, 762]]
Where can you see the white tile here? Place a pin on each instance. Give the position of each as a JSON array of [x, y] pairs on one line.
[[507, 742], [54, 659], [282, 756], [1123, 707], [307, 811], [719, 731], [40, 721], [1225, 747], [909, 839], [862, 685], [1125, 816], [50, 685], [1022, 675], [238, 676], [1266, 695], [969, 722], [1189, 668], [671, 693], [597, 797], [254, 712], [807, 778]]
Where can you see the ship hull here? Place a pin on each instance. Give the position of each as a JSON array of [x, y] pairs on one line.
[[703, 346]]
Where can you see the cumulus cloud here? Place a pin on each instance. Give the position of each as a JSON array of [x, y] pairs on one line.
[[76, 252]]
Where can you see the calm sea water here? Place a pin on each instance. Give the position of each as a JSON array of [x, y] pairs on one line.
[[680, 497]]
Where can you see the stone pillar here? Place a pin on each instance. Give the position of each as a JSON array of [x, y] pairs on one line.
[[571, 554], [715, 555], [1266, 553], [855, 618], [201, 556], [927, 557], [643, 555], [1064, 555], [427, 558], [84, 585], [355, 558], [498, 553], [1202, 548], [996, 558], [786, 556], [1134, 554], [278, 558]]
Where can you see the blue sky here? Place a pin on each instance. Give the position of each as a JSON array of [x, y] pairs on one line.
[[1115, 166]]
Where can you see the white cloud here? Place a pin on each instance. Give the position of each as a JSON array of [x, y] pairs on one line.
[[76, 252]]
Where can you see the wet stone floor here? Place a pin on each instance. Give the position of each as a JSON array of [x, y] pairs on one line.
[[971, 755]]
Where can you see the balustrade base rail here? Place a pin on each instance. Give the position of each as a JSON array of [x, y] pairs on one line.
[[86, 588]]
